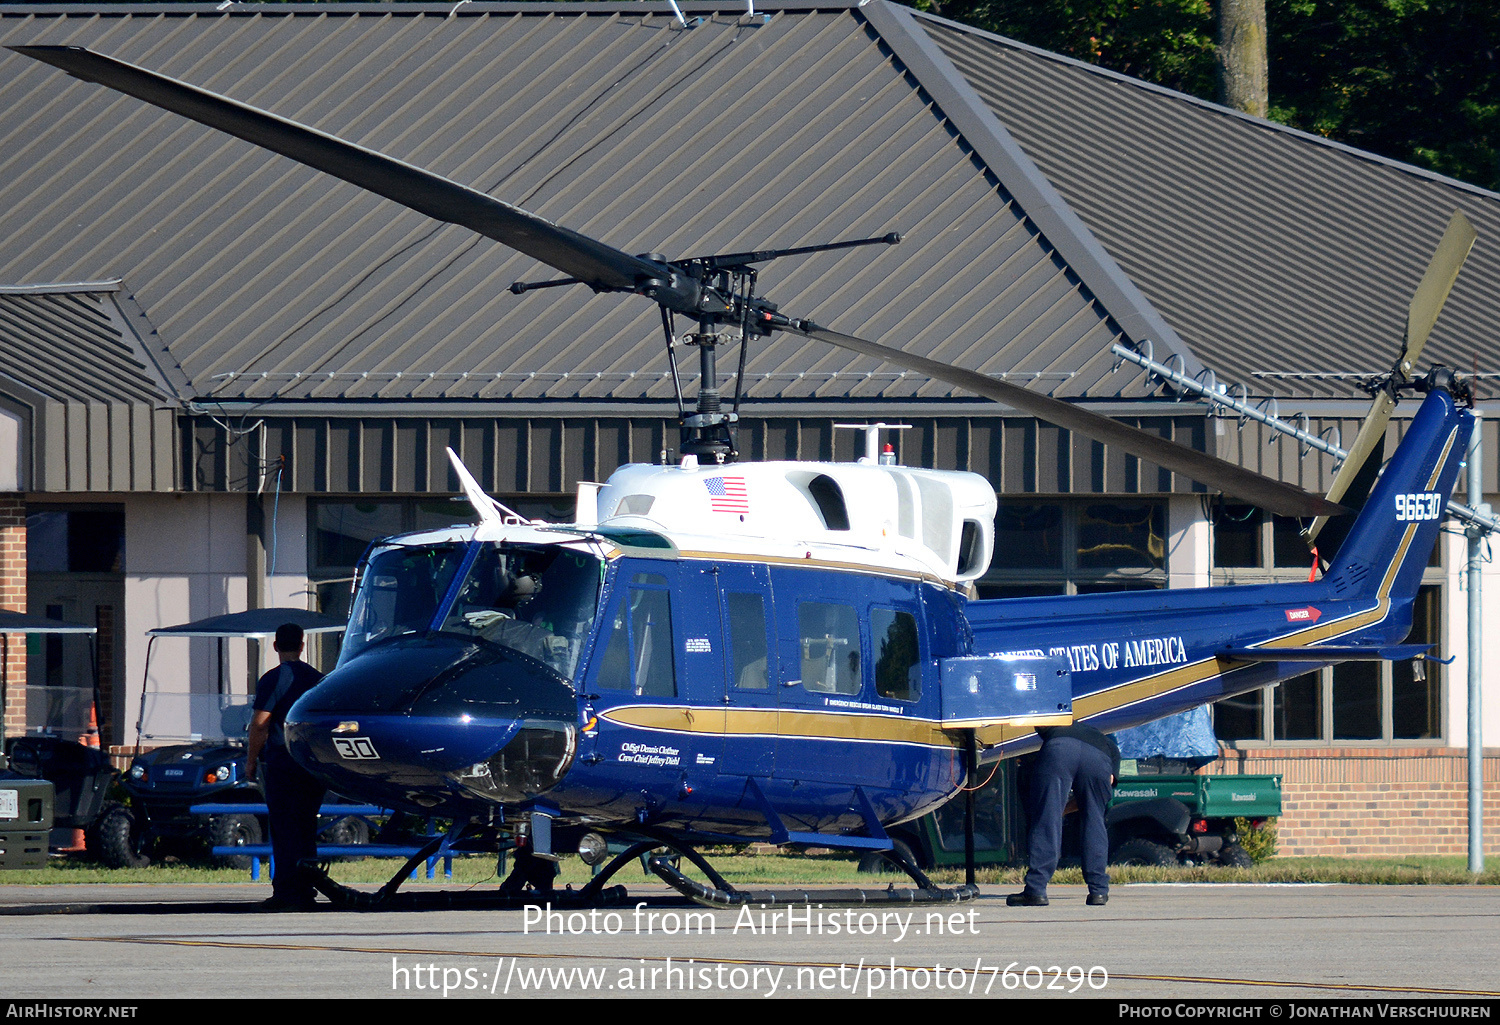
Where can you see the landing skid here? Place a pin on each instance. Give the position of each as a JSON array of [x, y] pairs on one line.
[[840, 897], [722, 895], [506, 897], [597, 894]]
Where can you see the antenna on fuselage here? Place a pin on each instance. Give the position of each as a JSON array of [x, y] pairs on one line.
[[873, 454], [489, 510]]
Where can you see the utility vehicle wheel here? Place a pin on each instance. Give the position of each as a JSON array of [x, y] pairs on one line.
[[349, 831], [1233, 855], [880, 862], [1144, 852], [233, 831], [119, 843]]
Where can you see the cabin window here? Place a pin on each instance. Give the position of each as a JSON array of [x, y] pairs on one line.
[[635, 505], [638, 656], [747, 640], [830, 647], [898, 658]]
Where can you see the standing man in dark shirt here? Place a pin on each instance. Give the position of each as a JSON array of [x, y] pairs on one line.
[[1081, 760], [293, 795]]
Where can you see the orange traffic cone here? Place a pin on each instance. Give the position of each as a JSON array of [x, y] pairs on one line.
[[90, 738]]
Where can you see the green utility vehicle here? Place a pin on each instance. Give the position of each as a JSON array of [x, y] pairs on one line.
[[1187, 820], [1153, 820]]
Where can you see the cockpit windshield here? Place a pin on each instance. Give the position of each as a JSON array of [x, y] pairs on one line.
[[400, 589], [539, 600]]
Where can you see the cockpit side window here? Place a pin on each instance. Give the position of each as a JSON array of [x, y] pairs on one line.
[[639, 654], [539, 600]]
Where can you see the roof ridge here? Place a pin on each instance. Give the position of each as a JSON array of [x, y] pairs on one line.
[[1211, 107], [1214, 108], [1073, 241]]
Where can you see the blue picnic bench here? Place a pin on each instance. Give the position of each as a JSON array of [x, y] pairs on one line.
[[256, 851]]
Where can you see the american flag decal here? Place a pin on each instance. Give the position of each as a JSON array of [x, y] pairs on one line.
[[728, 494]]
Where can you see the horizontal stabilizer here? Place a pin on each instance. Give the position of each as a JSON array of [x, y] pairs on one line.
[[1018, 688], [1388, 653]]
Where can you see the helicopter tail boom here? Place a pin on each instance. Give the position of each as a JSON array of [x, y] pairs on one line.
[[1142, 655]]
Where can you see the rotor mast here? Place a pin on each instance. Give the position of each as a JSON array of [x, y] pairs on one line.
[[718, 292]]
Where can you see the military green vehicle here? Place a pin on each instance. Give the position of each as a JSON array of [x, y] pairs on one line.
[[1153, 820]]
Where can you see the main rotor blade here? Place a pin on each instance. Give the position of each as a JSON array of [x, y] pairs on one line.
[[1282, 499], [1426, 303], [584, 258]]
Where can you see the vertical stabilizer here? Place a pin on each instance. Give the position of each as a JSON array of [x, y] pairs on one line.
[[1392, 539]]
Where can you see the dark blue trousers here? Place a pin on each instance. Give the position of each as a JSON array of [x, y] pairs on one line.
[[293, 796], [1066, 765]]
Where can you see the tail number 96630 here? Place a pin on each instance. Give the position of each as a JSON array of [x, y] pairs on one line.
[[1425, 506]]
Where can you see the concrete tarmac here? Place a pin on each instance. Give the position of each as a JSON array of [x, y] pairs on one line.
[[1151, 941]]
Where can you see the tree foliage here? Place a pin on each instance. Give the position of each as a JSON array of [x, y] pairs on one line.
[[1412, 79], [1416, 80], [1169, 42]]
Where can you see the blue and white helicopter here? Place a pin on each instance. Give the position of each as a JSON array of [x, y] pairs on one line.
[[789, 651]]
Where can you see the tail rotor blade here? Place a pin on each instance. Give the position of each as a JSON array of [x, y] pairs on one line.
[[1280, 498], [1432, 291], [1426, 303], [1371, 433]]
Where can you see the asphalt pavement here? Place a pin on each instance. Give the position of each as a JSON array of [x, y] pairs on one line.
[[1180, 942]]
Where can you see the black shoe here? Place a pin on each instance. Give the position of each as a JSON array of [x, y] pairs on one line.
[[1026, 899], [278, 903], [1097, 900]]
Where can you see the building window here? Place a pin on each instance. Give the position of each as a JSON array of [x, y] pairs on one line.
[[1355, 702], [85, 540], [1076, 547], [1244, 535]]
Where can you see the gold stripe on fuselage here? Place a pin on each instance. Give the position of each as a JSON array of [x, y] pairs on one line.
[[817, 563], [796, 723]]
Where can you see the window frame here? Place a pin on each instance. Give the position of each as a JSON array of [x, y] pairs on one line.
[[1434, 582], [1069, 577]]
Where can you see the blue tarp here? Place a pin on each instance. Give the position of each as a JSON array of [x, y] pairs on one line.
[[1186, 736]]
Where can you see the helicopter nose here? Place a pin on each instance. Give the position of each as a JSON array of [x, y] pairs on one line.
[[429, 723]]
